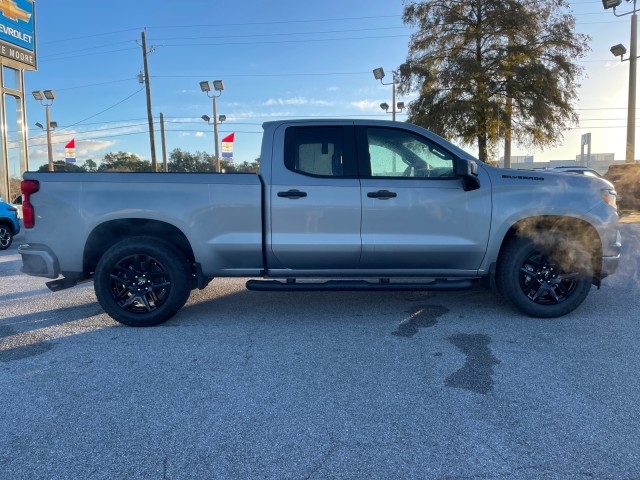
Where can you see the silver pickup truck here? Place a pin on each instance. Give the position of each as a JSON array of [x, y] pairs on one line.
[[338, 204]]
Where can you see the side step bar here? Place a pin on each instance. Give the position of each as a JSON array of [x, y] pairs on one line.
[[292, 285], [64, 283]]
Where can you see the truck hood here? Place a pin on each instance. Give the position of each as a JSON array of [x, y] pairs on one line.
[[531, 178]]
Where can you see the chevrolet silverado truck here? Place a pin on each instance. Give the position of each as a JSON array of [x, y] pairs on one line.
[[337, 205]]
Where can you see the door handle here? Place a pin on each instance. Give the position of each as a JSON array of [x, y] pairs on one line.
[[292, 194], [382, 194]]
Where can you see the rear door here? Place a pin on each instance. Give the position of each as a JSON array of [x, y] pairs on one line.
[[315, 205], [415, 212]]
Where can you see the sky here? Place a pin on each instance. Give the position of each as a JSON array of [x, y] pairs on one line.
[[279, 59]]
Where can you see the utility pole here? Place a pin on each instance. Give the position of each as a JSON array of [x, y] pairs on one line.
[[631, 107], [152, 139], [165, 167]]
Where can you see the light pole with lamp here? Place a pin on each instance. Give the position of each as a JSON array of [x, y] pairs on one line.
[[619, 51], [221, 118], [218, 86], [46, 98], [385, 106], [378, 74]]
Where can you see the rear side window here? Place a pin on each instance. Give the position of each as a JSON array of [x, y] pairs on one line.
[[316, 151]]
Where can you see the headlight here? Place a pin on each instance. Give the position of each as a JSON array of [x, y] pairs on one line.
[[609, 196]]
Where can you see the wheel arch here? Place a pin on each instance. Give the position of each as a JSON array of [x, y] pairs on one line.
[[574, 228], [107, 234], [9, 224]]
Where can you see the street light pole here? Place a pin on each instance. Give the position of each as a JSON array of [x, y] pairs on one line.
[[393, 96], [46, 98], [218, 86], [619, 51], [631, 109], [378, 74], [215, 133], [49, 146]]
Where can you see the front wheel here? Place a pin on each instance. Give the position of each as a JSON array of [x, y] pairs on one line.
[[544, 279], [142, 281]]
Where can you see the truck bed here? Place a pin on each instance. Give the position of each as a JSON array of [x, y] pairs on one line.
[[224, 211]]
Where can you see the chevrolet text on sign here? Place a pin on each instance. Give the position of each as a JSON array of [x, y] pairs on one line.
[[17, 32]]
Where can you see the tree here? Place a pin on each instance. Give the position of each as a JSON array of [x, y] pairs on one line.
[[480, 65], [124, 162], [90, 165], [62, 166], [202, 162], [249, 167], [181, 161]]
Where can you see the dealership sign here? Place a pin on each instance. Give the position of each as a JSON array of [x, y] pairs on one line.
[[70, 151], [227, 146], [17, 32]]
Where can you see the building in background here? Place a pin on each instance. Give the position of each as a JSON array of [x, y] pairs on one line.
[[600, 162], [17, 54]]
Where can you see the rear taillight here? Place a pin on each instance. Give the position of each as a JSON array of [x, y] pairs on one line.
[[28, 214]]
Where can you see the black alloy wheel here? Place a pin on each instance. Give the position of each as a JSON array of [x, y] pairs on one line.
[[6, 237], [142, 281], [544, 282]]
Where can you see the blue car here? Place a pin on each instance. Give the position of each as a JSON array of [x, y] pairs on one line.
[[9, 224]]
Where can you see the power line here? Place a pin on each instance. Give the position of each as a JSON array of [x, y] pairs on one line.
[[95, 84], [102, 111], [163, 27], [279, 22], [89, 54], [200, 37], [92, 49]]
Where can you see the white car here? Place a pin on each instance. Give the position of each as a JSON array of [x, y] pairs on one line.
[[575, 169]]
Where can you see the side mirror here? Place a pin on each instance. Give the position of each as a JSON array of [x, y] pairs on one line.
[[468, 171]]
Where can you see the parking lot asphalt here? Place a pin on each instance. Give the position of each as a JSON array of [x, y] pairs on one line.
[[315, 385]]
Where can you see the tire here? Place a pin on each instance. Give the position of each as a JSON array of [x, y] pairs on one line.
[[6, 237], [545, 278], [142, 281]]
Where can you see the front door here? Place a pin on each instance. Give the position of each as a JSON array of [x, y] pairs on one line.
[[415, 212]]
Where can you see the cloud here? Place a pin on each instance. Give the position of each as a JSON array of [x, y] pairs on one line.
[[84, 150], [199, 134], [286, 101], [366, 105], [297, 102], [86, 147]]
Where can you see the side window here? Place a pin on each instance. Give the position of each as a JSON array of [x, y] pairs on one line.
[[316, 151], [398, 153]]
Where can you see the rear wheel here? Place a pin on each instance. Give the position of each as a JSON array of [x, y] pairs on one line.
[[142, 281], [6, 237], [545, 279]]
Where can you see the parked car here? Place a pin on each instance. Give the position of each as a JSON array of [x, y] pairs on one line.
[[17, 202], [9, 224], [575, 169]]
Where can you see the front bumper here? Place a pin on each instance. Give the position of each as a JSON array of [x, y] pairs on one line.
[[39, 261], [610, 262]]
